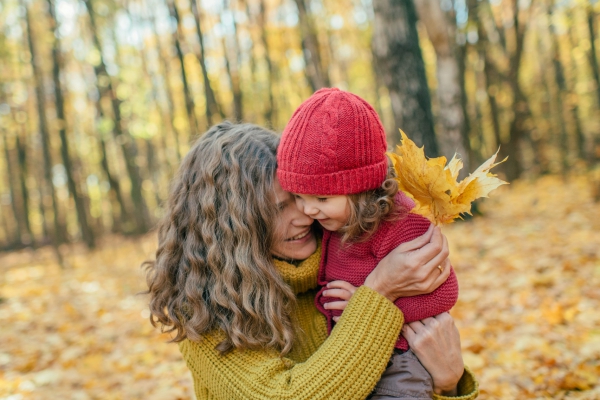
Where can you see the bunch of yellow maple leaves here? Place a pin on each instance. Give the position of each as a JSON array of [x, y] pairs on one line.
[[433, 185]]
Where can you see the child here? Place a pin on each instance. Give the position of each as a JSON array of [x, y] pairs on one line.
[[332, 157]]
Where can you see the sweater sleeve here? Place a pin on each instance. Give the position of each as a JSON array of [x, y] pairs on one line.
[[347, 365], [423, 306], [468, 388]]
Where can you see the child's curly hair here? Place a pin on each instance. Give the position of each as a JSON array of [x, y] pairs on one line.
[[368, 209]]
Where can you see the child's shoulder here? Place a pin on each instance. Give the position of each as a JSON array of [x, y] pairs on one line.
[[406, 227]]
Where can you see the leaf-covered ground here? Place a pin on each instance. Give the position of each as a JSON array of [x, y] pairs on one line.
[[529, 272]]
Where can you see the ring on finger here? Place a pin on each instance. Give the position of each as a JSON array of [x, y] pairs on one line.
[[440, 268]]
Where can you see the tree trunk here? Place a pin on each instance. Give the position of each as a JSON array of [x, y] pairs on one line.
[[593, 55], [399, 59], [231, 52], [574, 104], [128, 147], [119, 212], [316, 73], [521, 112], [189, 100], [542, 138], [12, 186], [270, 111], [450, 91], [212, 105], [491, 78], [59, 234], [80, 203], [166, 73], [22, 157], [560, 81], [165, 119]]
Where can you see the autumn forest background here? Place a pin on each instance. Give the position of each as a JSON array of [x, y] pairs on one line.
[[100, 100]]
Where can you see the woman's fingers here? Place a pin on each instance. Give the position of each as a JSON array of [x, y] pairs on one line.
[[441, 276], [435, 276], [438, 245], [418, 242]]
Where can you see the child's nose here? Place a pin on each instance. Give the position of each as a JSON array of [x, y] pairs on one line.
[[310, 210]]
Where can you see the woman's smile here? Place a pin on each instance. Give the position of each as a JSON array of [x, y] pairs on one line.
[[300, 236]]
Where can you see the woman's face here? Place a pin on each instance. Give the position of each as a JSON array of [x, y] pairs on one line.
[[294, 237]]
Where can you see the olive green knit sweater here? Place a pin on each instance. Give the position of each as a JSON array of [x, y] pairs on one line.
[[345, 365]]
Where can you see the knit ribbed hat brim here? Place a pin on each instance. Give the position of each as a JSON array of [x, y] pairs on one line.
[[338, 183]]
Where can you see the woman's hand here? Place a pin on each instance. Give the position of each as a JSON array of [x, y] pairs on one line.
[[412, 268], [342, 290], [436, 342]]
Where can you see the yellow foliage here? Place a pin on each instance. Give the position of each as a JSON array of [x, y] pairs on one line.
[[433, 185]]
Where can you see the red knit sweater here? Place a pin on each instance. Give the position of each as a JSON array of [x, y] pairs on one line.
[[353, 262]]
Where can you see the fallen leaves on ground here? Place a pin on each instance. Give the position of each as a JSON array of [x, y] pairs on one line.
[[529, 273], [83, 332]]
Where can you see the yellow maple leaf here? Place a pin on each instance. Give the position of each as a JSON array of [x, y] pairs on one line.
[[433, 185]]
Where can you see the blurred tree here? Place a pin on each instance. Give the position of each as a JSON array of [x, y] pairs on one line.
[[212, 106], [122, 136], [11, 178], [81, 205], [270, 111], [560, 81], [509, 51], [573, 100], [231, 51], [441, 30], [400, 63], [178, 37], [165, 72], [593, 55], [22, 176], [59, 234], [316, 74]]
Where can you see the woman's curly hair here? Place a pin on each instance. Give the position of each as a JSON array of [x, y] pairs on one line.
[[213, 267]]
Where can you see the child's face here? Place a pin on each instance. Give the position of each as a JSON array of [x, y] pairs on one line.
[[332, 212]]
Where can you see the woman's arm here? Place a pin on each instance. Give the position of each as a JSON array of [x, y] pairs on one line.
[[412, 268], [347, 365], [436, 342]]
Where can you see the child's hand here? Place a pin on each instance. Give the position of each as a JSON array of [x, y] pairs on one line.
[[342, 290]]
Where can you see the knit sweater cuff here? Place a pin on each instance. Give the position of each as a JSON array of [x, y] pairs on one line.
[[468, 388], [383, 312]]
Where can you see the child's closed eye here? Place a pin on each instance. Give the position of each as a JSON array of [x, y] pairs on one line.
[[321, 199]]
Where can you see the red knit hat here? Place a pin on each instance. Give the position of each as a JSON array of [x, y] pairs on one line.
[[333, 145]]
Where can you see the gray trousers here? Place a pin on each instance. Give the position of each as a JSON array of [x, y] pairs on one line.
[[404, 378]]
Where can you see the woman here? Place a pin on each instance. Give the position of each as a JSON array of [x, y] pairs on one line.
[[235, 278]]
